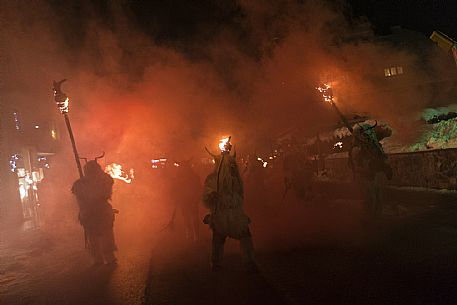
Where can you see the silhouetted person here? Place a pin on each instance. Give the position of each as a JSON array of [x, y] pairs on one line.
[[96, 214], [188, 198], [370, 164], [223, 196], [255, 183], [297, 175]]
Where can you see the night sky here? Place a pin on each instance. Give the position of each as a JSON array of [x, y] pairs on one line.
[[179, 22], [420, 15]]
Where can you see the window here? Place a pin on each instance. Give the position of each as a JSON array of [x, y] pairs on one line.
[[392, 71]]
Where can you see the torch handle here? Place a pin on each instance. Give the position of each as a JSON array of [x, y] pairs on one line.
[[342, 117], [73, 144]]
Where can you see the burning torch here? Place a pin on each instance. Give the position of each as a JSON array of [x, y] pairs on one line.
[[62, 102], [327, 94], [225, 146]]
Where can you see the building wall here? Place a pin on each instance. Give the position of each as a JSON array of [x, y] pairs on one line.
[[404, 66]]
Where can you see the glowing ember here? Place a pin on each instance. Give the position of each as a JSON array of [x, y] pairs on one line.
[[116, 172], [338, 145], [224, 144], [264, 163], [63, 106], [327, 92]]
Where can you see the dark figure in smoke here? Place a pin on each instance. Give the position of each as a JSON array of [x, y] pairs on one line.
[[187, 199], [96, 214], [223, 195], [297, 175], [369, 163], [255, 182]]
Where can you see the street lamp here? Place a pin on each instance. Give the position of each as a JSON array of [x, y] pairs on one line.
[[62, 102]]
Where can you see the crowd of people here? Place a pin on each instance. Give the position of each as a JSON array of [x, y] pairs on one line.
[[224, 191]]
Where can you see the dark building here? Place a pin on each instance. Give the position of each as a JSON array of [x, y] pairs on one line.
[[401, 65]]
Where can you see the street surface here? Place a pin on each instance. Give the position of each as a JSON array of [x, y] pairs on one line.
[[327, 253]]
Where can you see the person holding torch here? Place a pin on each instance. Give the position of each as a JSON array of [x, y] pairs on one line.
[[366, 156], [223, 196], [93, 192]]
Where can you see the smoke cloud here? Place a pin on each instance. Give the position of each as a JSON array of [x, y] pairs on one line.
[[137, 95]]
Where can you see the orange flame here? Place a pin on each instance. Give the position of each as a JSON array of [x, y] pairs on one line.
[[327, 93], [223, 144], [116, 172], [264, 163], [338, 145]]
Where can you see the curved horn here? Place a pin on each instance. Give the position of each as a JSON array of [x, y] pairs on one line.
[[375, 124], [99, 157], [211, 154], [57, 86]]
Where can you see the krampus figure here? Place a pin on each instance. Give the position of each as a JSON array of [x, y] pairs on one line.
[[96, 215], [370, 164], [223, 196]]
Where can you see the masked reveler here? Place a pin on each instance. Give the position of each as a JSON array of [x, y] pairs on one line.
[[370, 164], [223, 196], [96, 215]]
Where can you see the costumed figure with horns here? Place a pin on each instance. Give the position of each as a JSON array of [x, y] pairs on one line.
[[96, 215], [370, 164], [223, 196]]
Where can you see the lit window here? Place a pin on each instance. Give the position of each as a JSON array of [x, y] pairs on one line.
[[393, 71]]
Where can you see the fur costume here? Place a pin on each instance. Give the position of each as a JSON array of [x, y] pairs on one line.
[[370, 164], [96, 215], [225, 202]]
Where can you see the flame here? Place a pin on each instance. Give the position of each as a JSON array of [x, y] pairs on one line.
[[264, 163], [224, 143], [116, 172], [338, 145], [63, 106], [54, 134], [327, 92], [158, 163]]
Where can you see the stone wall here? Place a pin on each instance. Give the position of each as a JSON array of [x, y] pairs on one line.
[[430, 169]]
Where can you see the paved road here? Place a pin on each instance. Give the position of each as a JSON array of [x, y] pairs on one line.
[[398, 259], [321, 254], [39, 269]]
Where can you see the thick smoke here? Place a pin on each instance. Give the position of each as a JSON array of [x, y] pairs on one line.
[[137, 97]]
